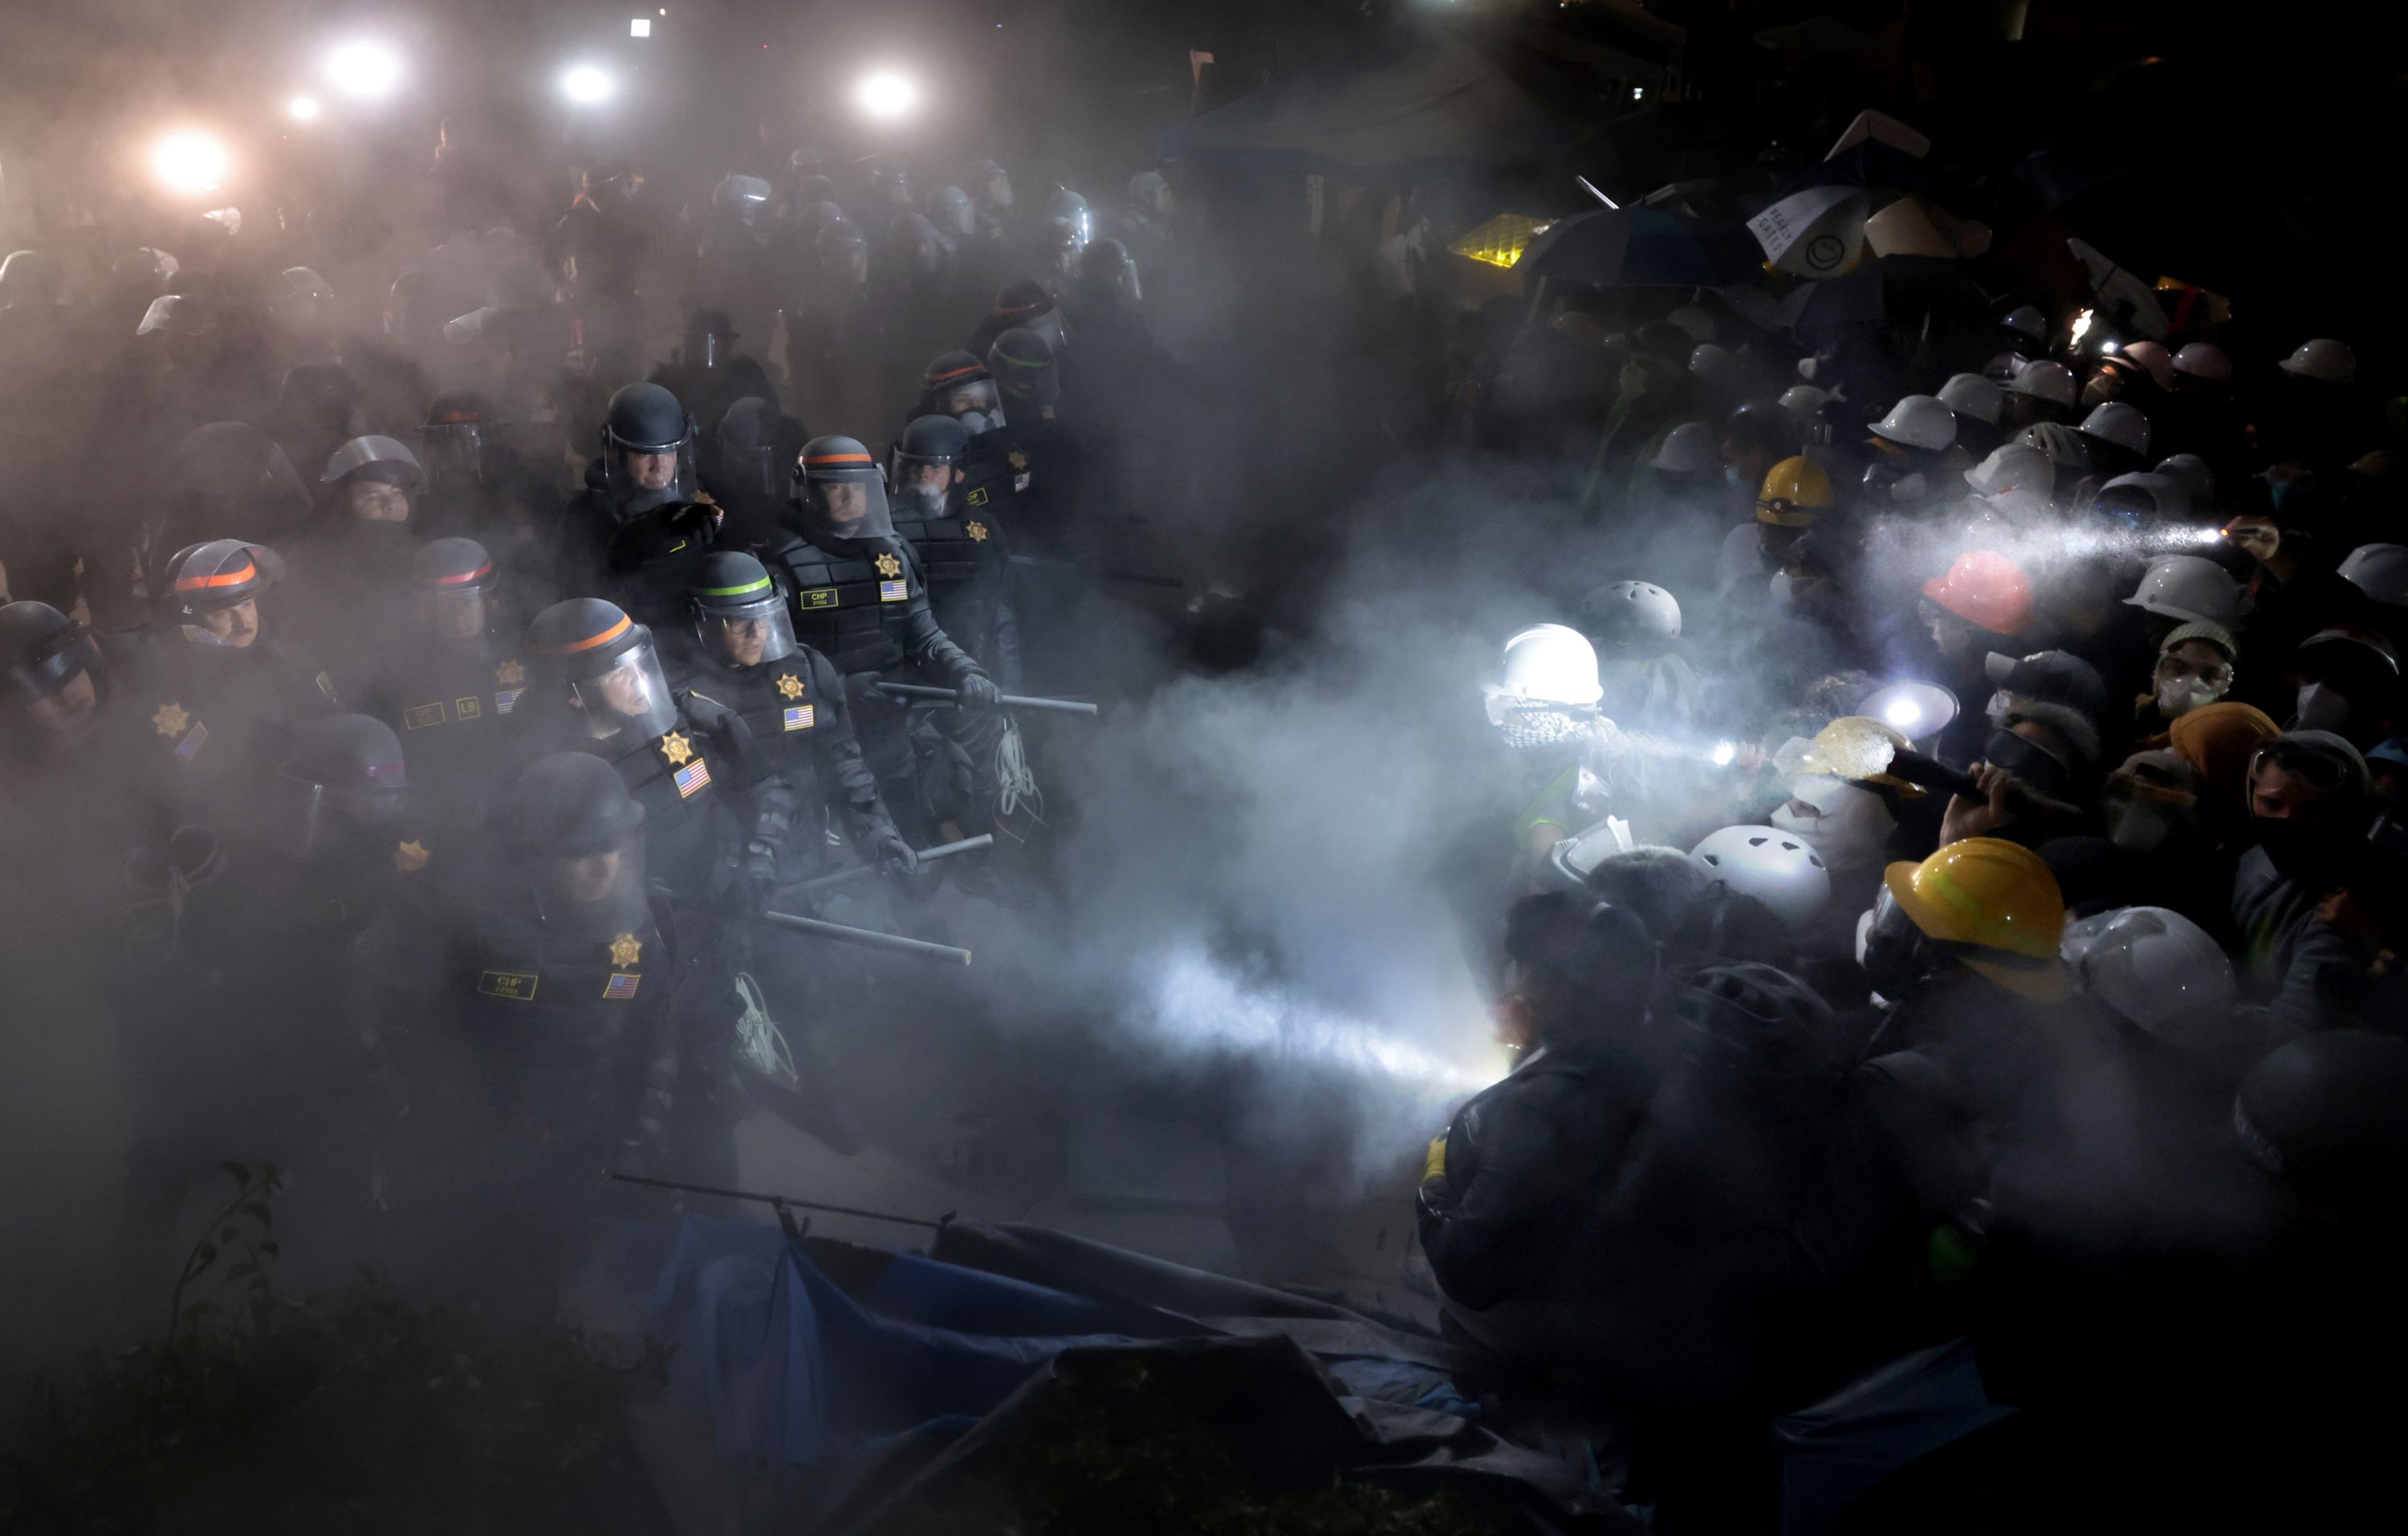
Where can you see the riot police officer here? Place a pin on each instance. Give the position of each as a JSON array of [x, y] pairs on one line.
[[791, 703], [836, 331], [477, 486], [861, 601], [215, 697], [962, 387], [754, 469], [451, 687], [647, 461], [685, 757], [57, 684], [709, 374], [963, 545]]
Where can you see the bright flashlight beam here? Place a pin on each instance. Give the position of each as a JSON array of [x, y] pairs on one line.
[[303, 108], [587, 86], [190, 162], [886, 95], [1902, 713], [364, 70], [2081, 327], [1724, 754]]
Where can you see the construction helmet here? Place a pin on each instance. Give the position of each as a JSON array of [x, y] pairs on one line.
[[2203, 360], [1853, 747], [2325, 360], [2116, 423], [1770, 865], [2379, 570], [2190, 587], [1688, 449], [1996, 903], [2190, 472], [1805, 402], [1919, 420], [2153, 357], [2026, 320], [1633, 615], [1986, 589], [2045, 379], [1795, 493], [1545, 665], [2157, 969], [1970, 394]]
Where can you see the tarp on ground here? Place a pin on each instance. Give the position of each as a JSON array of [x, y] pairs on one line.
[[1436, 103], [862, 1364]]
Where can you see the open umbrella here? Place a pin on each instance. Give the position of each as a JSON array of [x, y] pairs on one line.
[[1916, 226], [1817, 232], [1641, 248]]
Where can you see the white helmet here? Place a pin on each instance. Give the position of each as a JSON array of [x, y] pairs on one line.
[[2123, 425], [2190, 587], [1699, 324], [2153, 357], [1772, 865], [2323, 359], [2016, 465], [2165, 495], [2204, 360], [1919, 420], [1687, 449], [1545, 664], [2045, 379], [1714, 367], [2158, 969], [1970, 394], [2190, 472], [2026, 320], [1641, 612], [2379, 570], [1804, 400]]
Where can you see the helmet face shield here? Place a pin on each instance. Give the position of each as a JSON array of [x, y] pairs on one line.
[[453, 615], [745, 630], [976, 404], [921, 482], [630, 694]]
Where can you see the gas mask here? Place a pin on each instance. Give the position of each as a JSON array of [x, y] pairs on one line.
[[2321, 707], [1847, 823]]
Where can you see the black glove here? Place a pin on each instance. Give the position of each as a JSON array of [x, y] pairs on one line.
[[759, 871], [895, 858], [977, 692]]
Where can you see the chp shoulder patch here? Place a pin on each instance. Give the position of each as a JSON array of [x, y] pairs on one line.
[[816, 597]]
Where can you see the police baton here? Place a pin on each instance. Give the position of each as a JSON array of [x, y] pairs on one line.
[[862, 872], [917, 691], [780, 1203], [866, 938]]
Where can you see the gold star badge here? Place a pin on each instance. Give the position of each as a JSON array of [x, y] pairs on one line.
[[626, 950], [411, 856], [1019, 459], [171, 719], [677, 749], [790, 685], [889, 567], [978, 533], [510, 674]]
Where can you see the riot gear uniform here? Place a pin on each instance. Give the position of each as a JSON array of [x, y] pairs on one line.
[[684, 756], [791, 703], [965, 551], [709, 376], [643, 421], [452, 690]]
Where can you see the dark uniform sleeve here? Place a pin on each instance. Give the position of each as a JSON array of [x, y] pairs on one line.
[[766, 797], [925, 640], [845, 779]]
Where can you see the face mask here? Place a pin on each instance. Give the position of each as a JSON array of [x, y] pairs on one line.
[[2321, 709], [1533, 731], [2178, 697], [977, 423], [2136, 825], [1733, 478], [1850, 826], [2301, 850]]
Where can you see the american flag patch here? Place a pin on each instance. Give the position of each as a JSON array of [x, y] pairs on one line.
[[693, 776], [801, 717], [622, 984], [194, 740], [894, 591], [507, 701]]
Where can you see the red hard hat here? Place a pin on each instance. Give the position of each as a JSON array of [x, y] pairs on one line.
[[1986, 589]]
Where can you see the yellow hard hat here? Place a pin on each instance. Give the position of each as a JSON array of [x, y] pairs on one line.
[[1795, 491], [1998, 897], [1854, 747]]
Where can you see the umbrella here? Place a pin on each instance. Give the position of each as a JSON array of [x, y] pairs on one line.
[[1815, 233], [1641, 248], [1888, 288], [1912, 226], [1503, 240]]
